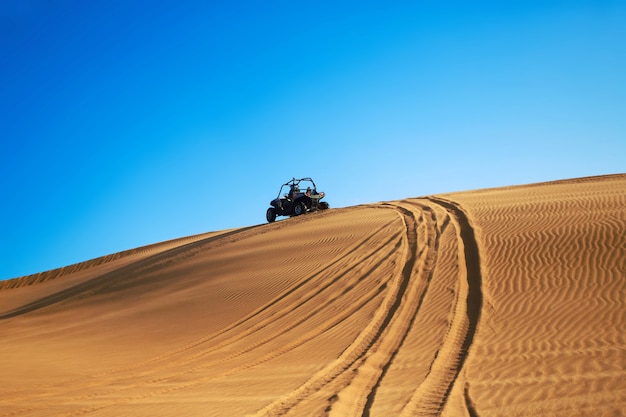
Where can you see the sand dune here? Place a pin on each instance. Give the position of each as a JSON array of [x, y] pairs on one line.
[[495, 302]]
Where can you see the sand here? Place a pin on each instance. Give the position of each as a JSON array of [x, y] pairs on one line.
[[495, 302]]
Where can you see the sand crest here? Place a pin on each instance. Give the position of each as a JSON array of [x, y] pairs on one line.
[[507, 301]]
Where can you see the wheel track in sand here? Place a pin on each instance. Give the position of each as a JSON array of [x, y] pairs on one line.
[[392, 316], [348, 386], [432, 395], [417, 273]]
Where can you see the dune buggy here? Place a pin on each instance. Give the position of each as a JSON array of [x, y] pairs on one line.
[[295, 201]]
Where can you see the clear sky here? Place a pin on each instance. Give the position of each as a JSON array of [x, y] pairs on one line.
[[128, 122]]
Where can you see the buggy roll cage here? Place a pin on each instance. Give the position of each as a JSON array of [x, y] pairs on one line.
[[293, 183]]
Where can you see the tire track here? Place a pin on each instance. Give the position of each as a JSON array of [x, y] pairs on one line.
[[432, 395], [359, 396], [392, 314]]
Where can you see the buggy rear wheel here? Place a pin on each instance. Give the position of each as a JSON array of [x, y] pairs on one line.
[[270, 215]]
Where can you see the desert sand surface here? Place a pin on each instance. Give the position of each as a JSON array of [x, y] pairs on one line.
[[496, 302]]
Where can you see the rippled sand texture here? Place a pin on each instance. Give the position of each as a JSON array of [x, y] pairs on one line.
[[498, 302]]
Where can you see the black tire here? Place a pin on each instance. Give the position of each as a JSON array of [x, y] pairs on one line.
[[324, 205], [270, 215], [299, 209]]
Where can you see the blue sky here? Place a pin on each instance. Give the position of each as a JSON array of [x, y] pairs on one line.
[[125, 123]]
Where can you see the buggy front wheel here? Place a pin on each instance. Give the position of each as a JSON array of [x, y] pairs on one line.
[[270, 215], [299, 209]]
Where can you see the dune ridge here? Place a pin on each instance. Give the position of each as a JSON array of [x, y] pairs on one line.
[[506, 301], [80, 266]]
